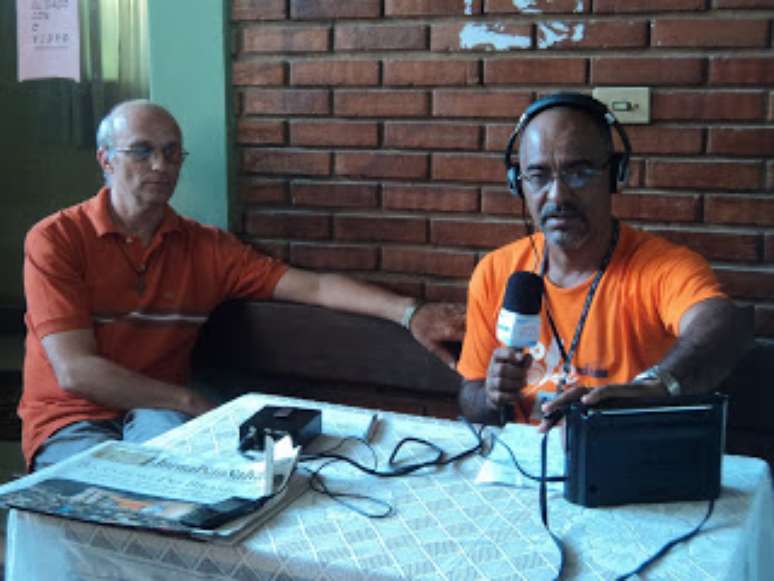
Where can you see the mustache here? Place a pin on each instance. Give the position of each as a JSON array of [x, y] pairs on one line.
[[565, 210]]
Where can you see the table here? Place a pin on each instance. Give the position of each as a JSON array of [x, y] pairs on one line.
[[446, 526]]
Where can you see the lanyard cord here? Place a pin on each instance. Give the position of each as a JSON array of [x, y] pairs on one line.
[[568, 355]]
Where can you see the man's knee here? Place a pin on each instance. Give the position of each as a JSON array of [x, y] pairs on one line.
[[74, 438], [143, 424]]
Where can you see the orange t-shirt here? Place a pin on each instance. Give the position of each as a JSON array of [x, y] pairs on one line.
[[633, 320], [145, 304]]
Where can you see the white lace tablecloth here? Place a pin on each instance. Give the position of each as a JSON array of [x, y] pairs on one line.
[[446, 526]]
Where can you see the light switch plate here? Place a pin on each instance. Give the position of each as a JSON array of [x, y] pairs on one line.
[[628, 104]]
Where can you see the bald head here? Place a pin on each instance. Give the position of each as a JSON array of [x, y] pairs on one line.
[[116, 120]]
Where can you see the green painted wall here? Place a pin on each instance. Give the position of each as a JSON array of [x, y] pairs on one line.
[[188, 76]]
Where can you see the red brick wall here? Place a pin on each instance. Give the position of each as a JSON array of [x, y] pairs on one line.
[[369, 132]]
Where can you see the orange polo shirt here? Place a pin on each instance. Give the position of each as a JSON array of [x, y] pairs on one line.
[[144, 304], [634, 319]]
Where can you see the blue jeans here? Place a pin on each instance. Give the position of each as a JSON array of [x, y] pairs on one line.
[[137, 425]]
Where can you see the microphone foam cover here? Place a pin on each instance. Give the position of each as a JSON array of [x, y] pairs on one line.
[[524, 293]]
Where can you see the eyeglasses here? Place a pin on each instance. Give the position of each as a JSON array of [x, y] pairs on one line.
[[171, 153], [575, 178]]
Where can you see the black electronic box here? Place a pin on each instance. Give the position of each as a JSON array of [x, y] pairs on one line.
[[302, 425], [625, 451]]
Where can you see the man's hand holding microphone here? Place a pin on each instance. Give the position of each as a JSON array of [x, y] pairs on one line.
[[518, 328]]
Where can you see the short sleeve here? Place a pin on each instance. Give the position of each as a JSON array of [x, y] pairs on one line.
[[248, 274], [54, 282], [480, 340], [688, 280]]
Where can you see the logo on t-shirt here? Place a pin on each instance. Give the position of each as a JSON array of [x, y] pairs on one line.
[[547, 370]]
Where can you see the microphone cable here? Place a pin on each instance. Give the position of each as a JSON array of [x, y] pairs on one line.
[[543, 479]]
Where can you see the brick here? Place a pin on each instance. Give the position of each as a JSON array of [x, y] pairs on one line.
[[334, 133], [714, 33], [452, 103], [770, 176], [379, 164], [284, 39], [656, 139], [558, 34], [536, 6], [567, 71], [744, 3], [334, 257], [418, 135], [741, 71], [427, 261], [433, 198], [288, 225], [752, 142], [260, 132], [334, 73], [646, 6], [747, 283], [757, 211], [446, 293], [496, 136], [286, 162], [362, 37], [287, 102], [257, 73], [647, 71], [334, 194], [468, 167], [764, 321], [731, 246], [263, 191], [771, 106], [501, 201], [475, 234], [380, 229], [707, 105], [349, 103], [675, 208], [769, 248], [480, 36], [431, 7], [258, 10], [636, 173], [715, 175], [431, 72], [334, 9]]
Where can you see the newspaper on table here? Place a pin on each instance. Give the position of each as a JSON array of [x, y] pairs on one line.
[[135, 485]]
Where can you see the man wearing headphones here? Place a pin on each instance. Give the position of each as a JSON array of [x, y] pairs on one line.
[[624, 313]]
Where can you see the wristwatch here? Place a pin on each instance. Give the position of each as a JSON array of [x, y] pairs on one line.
[[667, 379]]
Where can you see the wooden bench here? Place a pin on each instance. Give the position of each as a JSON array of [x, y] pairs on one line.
[[320, 354]]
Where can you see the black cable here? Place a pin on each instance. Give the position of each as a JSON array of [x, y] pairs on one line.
[[668, 546], [317, 482], [543, 479]]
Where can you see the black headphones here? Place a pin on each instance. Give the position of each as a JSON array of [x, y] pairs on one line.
[[619, 162]]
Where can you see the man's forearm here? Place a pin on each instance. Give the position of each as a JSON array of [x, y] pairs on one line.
[[711, 342], [474, 405], [111, 385]]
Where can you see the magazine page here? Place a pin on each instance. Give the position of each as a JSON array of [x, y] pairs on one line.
[[134, 485]]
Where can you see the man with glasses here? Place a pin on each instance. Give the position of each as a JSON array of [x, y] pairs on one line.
[[118, 286], [624, 313]]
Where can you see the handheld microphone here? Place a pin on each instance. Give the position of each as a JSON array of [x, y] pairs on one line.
[[518, 324]]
